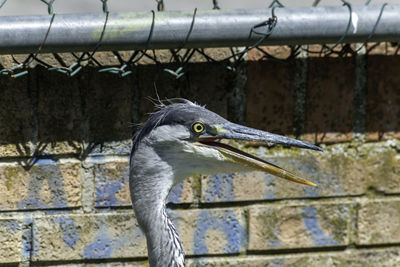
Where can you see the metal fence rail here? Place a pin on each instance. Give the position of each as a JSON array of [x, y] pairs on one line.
[[168, 30], [187, 33]]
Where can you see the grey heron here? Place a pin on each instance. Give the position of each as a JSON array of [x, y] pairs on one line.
[[179, 140]]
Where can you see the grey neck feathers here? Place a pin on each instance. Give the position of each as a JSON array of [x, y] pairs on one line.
[[163, 243], [150, 182]]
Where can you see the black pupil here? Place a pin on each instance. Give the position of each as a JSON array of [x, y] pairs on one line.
[[199, 128]]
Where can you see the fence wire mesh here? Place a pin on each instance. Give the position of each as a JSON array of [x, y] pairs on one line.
[[72, 63]]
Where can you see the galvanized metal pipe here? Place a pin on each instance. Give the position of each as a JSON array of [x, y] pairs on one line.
[[128, 31]]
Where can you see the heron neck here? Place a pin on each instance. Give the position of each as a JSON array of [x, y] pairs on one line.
[[150, 185], [163, 244]]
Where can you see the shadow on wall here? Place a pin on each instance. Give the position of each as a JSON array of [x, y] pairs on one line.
[[329, 106], [59, 114]]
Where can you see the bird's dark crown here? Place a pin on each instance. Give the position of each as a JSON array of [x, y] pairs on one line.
[[175, 111]]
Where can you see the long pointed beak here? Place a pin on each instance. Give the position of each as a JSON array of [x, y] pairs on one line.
[[240, 132], [233, 131]]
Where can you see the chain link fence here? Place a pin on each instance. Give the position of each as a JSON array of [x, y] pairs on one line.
[[72, 63]]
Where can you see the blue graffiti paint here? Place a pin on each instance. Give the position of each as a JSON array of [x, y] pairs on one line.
[[70, 233], [107, 187], [310, 168], [97, 158], [31, 202], [56, 184], [174, 216], [27, 250], [101, 247], [125, 239], [45, 162], [270, 185], [220, 187], [106, 193], [29, 244], [313, 227], [46, 170], [275, 243], [228, 224], [14, 226], [176, 193]]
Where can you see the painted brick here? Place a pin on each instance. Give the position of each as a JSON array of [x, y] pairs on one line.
[[329, 114], [48, 184], [263, 52], [211, 231], [349, 258], [14, 120], [112, 185], [339, 51], [59, 113], [383, 98], [299, 226], [384, 48], [270, 96], [110, 236], [220, 54], [164, 56], [110, 147], [115, 263], [378, 222], [381, 164], [107, 58], [314, 50], [49, 58], [13, 241], [109, 106], [338, 171], [6, 61], [75, 237], [184, 192]]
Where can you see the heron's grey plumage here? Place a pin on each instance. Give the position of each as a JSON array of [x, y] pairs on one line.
[[167, 149], [179, 111], [151, 178], [150, 181]]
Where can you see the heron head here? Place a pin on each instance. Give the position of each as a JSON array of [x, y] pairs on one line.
[[190, 138]]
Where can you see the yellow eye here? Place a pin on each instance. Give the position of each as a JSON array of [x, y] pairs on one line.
[[198, 127]]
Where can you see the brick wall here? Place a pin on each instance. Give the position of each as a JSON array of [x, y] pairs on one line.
[[64, 146]]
